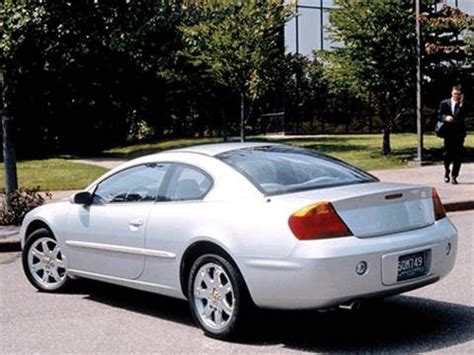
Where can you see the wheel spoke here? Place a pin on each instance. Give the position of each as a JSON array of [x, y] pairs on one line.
[[207, 279], [45, 277], [37, 267], [217, 277], [207, 311], [202, 293], [55, 252], [60, 263], [55, 274], [225, 289], [225, 307], [218, 317], [46, 250], [38, 254]]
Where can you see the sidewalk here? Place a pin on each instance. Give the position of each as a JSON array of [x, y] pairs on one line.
[[454, 197]]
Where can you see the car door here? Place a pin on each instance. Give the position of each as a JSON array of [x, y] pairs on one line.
[[107, 237], [174, 219]]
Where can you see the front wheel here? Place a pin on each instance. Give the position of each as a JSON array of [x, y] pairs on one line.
[[43, 262], [218, 296]]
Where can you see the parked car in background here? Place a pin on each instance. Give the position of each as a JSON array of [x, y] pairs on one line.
[[231, 226]]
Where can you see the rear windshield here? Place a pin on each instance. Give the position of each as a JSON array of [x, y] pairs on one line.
[[278, 169]]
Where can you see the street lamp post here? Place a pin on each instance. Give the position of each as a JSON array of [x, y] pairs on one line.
[[419, 128]]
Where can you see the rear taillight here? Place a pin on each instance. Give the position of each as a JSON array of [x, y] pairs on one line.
[[318, 221], [438, 207]]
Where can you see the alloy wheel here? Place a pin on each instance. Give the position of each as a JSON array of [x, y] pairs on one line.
[[214, 297], [46, 263]]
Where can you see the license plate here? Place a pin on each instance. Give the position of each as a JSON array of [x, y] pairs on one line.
[[413, 265]]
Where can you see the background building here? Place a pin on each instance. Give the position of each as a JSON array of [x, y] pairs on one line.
[[308, 31]]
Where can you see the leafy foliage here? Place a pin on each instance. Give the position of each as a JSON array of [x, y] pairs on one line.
[[237, 42], [81, 75], [22, 201], [448, 52], [378, 57]]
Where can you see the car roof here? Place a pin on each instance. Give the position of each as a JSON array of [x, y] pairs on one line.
[[218, 148]]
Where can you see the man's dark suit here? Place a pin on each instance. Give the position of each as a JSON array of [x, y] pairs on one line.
[[454, 134]]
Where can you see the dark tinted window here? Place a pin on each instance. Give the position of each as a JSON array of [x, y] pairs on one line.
[[277, 169], [137, 184]]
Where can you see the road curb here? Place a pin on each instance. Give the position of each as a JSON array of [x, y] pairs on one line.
[[458, 206]]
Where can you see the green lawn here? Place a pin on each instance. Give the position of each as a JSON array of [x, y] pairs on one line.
[[138, 150], [360, 150], [54, 174], [364, 151]]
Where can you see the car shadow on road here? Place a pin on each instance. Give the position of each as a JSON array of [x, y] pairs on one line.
[[397, 324], [132, 300]]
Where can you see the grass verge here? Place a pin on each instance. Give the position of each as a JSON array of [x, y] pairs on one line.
[[54, 174], [363, 151]]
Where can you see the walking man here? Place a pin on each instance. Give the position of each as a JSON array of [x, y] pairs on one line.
[[452, 113]]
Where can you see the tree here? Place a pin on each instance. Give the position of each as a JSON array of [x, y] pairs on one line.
[[448, 53], [305, 89], [83, 74], [239, 43], [8, 49], [378, 56]]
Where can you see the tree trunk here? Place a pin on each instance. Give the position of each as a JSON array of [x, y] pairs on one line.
[[242, 117], [9, 158], [370, 114], [224, 124], [386, 149]]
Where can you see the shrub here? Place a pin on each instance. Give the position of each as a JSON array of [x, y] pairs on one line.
[[23, 201]]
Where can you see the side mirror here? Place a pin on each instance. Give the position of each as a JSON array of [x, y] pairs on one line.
[[82, 198]]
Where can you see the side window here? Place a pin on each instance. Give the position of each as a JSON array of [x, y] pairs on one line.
[[187, 183], [137, 184]]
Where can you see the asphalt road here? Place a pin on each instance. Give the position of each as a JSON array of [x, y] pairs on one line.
[[93, 317]]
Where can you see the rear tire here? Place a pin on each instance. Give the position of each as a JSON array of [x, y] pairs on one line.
[[218, 296], [43, 262]]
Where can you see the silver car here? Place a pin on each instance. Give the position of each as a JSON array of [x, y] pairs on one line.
[[237, 225]]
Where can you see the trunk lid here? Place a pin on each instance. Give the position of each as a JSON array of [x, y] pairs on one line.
[[375, 209]]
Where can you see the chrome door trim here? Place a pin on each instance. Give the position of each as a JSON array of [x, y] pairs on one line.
[[122, 249]]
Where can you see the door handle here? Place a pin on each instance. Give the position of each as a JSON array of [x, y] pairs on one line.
[[136, 222]]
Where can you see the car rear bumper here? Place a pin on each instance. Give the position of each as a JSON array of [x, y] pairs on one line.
[[321, 274]]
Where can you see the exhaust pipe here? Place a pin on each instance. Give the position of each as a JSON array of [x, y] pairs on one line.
[[351, 305]]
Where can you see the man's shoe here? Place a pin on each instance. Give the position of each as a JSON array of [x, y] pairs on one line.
[[455, 181], [446, 179]]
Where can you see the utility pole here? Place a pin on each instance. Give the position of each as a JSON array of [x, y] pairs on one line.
[[419, 128], [9, 156], [242, 117]]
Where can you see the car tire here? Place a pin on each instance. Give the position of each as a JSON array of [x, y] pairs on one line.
[[43, 262], [218, 296]]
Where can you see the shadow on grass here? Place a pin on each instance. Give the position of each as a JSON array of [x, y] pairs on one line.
[[155, 148], [431, 154], [321, 144], [317, 140], [331, 148], [398, 324]]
